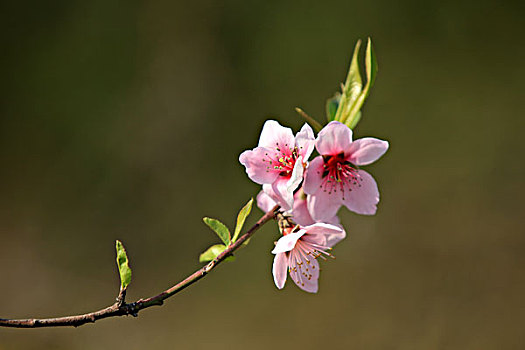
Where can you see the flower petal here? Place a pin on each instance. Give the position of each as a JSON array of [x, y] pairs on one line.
[[302, 216], [364, 196], [273, 136], [267, 188], [258, 165], [333, 139], [324, 234], [323, 206], [265, 202], [297, 176], [334, 220], [283, 196], [334, 238], [366, 150], [283, 188], [304, 269], [300, 212], [313, 177], [279, 269], [305, 141], [287, 243], [319, 232]]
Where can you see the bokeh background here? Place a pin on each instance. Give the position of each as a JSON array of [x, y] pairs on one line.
[[124, 120]]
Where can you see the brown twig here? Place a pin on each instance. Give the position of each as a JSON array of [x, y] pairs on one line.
[[121, 308]]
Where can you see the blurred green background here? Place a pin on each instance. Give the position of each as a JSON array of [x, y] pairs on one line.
[[124, 120]]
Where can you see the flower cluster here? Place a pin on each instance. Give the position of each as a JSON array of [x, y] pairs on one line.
[[310, 193]]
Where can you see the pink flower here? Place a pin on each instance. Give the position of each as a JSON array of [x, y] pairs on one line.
[[299, 212], [333, 178], [277, 163], [297, 252]]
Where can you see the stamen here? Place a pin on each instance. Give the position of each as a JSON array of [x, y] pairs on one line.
[[339, 173]]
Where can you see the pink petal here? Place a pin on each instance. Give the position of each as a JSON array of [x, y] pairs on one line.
[[334, 221], [287, 243], [283, 188], [321, 233], [265, 202], [334, 238], [333, 139], [297, 176], [279, 269], [304, 270], [324, 206], [366, 150], [267, 188], [283, 196], [305, 141], [257, 165], [313, 177], [302, 216], [273, 136], [363, 199], [300, 212]]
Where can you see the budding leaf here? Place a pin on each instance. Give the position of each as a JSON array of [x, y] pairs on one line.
[[241, 217], [371, 67], [353, 122], [219, 228], [352, 87], [331, 106], [123, 265], [354, 113], [213, 252]]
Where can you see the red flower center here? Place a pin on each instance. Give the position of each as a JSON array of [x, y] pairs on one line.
[[283, 160], [338, 173]]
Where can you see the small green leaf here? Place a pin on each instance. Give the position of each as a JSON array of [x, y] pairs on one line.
[[331, 106], [123, 266], [352, 87], [314, 123], [351, 113], [213, 252], [371, 67], [353, 122], [371, 70], [219, 228], [241, 217]]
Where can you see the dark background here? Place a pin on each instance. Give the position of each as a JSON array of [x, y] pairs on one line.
[[124, 120]]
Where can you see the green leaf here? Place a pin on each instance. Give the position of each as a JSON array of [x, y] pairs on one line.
[[241, 217], [314, 123], [353, 122], [371, 72], [371, 67], [331, 106], [352, 87], [213, 252], [351, 113], [219, 228], [123, 266]]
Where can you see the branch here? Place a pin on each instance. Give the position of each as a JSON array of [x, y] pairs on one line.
[[121, 308]]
